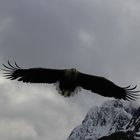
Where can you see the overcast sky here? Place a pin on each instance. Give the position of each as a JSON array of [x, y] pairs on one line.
[[99, 37]]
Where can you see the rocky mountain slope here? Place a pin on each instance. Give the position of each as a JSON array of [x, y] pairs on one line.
[[111, 117]]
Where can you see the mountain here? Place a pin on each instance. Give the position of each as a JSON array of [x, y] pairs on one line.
[[110, 117]]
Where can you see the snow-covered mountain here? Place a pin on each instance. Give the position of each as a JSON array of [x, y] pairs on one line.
[[111, 117]]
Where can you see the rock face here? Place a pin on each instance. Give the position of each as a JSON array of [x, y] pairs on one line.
[[111, 117]]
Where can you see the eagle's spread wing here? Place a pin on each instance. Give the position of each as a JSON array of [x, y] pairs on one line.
[[32, 75], [105, 87], [69, 79]]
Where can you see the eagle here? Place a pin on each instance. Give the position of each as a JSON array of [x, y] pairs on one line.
[[69, 81]]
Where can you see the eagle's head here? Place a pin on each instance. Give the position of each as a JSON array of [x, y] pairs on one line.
[[71, 73], [73, 70]]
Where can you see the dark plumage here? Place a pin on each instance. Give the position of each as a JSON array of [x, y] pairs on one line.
[[69, 80]]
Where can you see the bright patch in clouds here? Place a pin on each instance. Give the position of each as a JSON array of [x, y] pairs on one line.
[[5, 23], [86, 38]]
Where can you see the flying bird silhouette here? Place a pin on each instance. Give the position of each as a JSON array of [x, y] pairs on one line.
[[69, 81]]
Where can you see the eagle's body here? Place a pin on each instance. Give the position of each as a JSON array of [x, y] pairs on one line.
[[69, 80], [68, 83]]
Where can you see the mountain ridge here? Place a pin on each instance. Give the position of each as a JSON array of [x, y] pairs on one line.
[[112, 116]]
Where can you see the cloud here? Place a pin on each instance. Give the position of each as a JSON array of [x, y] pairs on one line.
[[16, 129], [87, 39]]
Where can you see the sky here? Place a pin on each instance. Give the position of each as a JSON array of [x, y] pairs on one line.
[[99, 37]]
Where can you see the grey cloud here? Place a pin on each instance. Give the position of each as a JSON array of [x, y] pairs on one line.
[[14, 129], [48, 115]]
